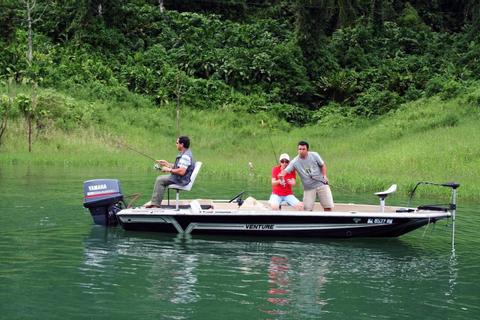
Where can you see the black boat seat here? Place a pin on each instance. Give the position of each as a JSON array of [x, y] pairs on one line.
[[187, 187]]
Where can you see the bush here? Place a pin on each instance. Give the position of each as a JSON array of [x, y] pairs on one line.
[[375, 102], [333, 115], [473, 99], [445, 87]]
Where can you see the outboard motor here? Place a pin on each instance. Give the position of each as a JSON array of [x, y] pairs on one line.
[[104, 198]]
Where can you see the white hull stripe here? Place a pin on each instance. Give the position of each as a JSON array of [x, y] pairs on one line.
[[250, 226], [274, 227]]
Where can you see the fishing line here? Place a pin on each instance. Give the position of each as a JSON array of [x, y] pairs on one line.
[[135, 150]]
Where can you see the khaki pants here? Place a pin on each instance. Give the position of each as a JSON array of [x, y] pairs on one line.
[[324, 195], [160, 186]]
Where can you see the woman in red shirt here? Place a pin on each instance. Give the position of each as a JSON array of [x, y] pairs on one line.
[[282, 186]]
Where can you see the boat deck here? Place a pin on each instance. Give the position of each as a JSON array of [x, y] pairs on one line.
[[251, 204]]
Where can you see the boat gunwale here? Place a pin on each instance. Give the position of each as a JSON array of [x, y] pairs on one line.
[[417, 214]]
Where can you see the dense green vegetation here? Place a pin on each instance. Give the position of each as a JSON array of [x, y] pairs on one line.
[[432, 139], [386, 90]]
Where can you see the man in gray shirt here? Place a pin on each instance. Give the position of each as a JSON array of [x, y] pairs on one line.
[[313, 173], [180, 172]]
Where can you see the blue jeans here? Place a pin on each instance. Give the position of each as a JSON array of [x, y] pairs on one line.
[[291, 200]]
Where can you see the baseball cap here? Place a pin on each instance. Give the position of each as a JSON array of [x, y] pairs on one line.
[[284, 156]]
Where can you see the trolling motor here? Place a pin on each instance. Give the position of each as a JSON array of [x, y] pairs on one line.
[[452, 206], [103, 198]]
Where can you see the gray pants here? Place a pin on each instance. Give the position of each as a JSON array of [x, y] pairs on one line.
[[159, 189]]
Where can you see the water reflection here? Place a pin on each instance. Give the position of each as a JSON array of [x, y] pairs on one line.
[[271, 277], [54, 263], [173, 277], [278, 280]]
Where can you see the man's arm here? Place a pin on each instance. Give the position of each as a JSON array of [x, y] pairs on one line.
[[288, 169], [183, 164], [164, 163], [180, 171], [168, 167], [323, 169], [293, 179]]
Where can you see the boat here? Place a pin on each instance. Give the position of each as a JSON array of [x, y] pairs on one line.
[[236, 216]]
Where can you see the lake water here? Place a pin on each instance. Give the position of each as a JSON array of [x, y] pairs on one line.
[[55, 264]]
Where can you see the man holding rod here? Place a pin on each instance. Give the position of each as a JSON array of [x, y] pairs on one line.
[[180, 171], [313, 173]]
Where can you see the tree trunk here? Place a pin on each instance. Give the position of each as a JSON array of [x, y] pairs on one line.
[[3, 127], [178, 113], [30, 6], [31, 115], [178, 93], [377, 16], [161, 7], [29, 134]]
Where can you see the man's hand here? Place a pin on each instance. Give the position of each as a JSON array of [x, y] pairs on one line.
[[163, 163]]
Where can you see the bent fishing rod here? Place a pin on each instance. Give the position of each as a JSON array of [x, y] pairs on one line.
[[135, 150]]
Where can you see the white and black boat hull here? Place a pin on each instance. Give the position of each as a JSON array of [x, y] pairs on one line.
[[104, 199], [336, 225]]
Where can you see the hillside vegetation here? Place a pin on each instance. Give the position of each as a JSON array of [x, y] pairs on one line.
[[386, 91], [426, 140]]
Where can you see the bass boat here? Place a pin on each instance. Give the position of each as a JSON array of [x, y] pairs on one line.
[[105, 201]]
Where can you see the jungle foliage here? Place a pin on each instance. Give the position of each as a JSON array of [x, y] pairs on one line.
[[297, 60]]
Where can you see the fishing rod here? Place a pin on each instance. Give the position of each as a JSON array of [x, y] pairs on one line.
[[135, 150], [273, 148], [271, 142]]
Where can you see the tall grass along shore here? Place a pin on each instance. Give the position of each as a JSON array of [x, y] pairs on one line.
[[426, 140]]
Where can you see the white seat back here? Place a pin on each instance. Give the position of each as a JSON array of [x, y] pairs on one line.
[[383, 194], [189, 186]]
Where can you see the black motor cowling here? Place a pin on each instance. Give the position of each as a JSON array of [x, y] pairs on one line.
[[104, 198]]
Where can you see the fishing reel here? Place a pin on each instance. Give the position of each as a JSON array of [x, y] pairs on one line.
[[156, 166]]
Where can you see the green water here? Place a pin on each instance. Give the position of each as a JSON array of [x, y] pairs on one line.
[[54, 264]]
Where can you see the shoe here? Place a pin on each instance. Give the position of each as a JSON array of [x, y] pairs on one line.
[[150, 206]]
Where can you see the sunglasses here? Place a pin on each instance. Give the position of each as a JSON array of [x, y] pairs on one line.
[[284, 161]]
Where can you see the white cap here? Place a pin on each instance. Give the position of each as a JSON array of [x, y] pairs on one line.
[[284, 156]]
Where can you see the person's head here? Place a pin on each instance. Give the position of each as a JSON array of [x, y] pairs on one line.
[[302, 148], [284, 160], [183, 142]]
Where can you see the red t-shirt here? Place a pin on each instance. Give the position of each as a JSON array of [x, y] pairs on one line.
[[278, 189]]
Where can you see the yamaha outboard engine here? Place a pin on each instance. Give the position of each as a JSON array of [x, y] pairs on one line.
[[104, 198]]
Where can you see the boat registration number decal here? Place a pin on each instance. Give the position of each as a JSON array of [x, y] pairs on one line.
[[259, 226], [380, 221]]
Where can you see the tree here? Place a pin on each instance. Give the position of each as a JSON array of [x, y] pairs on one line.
[[346, 13], [30, 10], [161, 6], [5, 107], [377, 17], [472, 13], [25, 106], [312, 20]]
